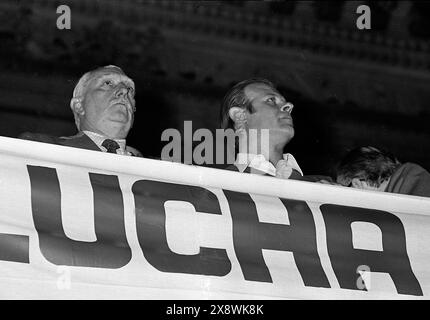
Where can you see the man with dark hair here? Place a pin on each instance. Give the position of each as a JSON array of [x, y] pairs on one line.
[[103, 106], [261, 117], [369, 168]]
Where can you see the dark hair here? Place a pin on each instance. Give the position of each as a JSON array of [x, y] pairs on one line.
[[366, 163], [235, 97]]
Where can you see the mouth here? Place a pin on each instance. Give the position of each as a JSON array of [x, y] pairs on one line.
[[120, 102], [125, 105], [286, 119]]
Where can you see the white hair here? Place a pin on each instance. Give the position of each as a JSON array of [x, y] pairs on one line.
[[83, 81]]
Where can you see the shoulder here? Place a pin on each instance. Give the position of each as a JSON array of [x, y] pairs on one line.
[[412, 167], [410, 178], [134, 151], [79, 140], [39, 137]]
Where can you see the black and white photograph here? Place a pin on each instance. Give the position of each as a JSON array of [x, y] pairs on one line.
[[215, 155]]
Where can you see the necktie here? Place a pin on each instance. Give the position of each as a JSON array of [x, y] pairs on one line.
[[283, 170], [110, 145]]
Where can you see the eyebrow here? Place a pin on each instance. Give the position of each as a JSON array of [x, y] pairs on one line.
[[111, 76], [274, 94]]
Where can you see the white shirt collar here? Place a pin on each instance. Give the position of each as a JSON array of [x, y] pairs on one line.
[[98, 140], [259, 162]]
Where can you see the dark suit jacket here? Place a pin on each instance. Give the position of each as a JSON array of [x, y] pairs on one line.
[[80, 140], [411, 179]]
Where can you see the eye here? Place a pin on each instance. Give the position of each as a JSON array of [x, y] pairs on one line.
[[108, 83], [271, 100]]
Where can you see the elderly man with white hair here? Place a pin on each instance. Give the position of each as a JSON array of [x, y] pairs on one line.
[[103, 106]]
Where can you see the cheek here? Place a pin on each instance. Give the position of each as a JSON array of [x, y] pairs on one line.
[[131, 119], [100, 100], [132, 100], [258, 121], [98, 110], [96, 114], [269, 120]]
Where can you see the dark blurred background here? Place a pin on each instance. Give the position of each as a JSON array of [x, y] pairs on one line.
[[350, 87]]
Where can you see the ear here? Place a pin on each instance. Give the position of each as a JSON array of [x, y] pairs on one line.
[[77, 106], [358, 184], [239, 116]]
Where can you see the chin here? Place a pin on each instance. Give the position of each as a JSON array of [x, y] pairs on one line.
[[288, 130], [117, 130], [289, 134]]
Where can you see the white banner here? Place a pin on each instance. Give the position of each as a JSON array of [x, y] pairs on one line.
[[79, 224]]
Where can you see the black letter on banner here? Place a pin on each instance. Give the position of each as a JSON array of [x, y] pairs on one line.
[[250, 236], [150, 197], [345, 259], [14, 248], [111, 249]]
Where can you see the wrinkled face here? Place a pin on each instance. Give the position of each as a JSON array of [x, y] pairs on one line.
[[271, 111], [108, 102]]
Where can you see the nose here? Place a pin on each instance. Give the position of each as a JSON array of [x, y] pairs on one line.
[[121, 91], [287, 107]]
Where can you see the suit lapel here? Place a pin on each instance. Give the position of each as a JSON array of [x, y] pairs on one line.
[[81, 140]]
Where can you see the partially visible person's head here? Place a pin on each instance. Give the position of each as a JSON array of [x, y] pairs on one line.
[[256, 104], [103, 102], [366, 168]]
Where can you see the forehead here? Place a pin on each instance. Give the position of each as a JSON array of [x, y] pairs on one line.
[[110, 74], [255, 90]]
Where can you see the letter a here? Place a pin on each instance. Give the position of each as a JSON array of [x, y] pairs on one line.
[[64, 20], [174, 147], [363, 21]]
